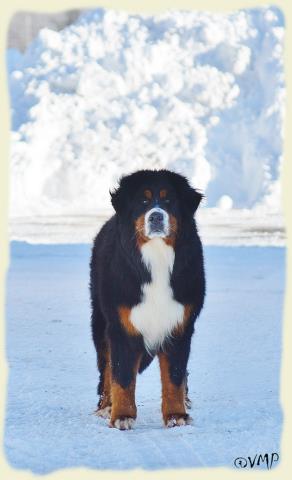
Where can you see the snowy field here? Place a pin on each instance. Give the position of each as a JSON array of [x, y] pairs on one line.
[[234, 367]]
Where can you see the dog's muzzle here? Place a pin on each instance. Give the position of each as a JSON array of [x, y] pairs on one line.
[[156, 223]]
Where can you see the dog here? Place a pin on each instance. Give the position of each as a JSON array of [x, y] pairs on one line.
[[147, 287]]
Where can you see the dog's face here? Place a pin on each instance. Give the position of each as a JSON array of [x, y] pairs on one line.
[[155, 210], [156, 203]]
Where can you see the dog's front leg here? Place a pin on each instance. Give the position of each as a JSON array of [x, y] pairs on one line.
[[173, 392], [124, 372]]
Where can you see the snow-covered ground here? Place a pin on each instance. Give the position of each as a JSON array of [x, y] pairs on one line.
[[234, 367], [197, 92]]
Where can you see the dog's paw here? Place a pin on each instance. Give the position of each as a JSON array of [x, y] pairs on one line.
[[123, 423], [104, 412], [177, 420]]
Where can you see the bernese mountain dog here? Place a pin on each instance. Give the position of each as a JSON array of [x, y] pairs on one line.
[[147, 286]]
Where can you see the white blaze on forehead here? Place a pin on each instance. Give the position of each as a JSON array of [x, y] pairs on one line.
[[165, 231], [158, 313]]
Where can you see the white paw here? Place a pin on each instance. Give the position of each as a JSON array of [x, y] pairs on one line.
[[177, 421], [125, 423], [104, 412]]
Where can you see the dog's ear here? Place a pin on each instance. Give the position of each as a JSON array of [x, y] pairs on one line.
[[117, 199], [189, 197], [120, 195], [193, 199]]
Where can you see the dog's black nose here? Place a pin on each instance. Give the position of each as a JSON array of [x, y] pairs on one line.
[[156, 219]]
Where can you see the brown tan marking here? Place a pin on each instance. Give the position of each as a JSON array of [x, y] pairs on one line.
[[179, 329], [140, 231], [171, 238], [148, 194], [123, 399], [173, 397], [105, 397], [163, 193], [124, 314]]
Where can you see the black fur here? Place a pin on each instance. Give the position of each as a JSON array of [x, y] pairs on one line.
[[117, 273]]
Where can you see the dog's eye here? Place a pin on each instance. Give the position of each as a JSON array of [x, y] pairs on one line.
[[145, 201], [166, 200]]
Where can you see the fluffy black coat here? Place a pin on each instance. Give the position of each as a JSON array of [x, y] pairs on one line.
[[117, 274]]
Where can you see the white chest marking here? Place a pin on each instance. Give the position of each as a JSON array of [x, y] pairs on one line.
[[158, 313]]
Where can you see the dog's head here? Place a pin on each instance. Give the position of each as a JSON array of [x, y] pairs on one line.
[[156, 203]]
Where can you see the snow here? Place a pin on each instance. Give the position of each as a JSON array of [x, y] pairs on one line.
[[245, 227], [197, 92], [234, 367]]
